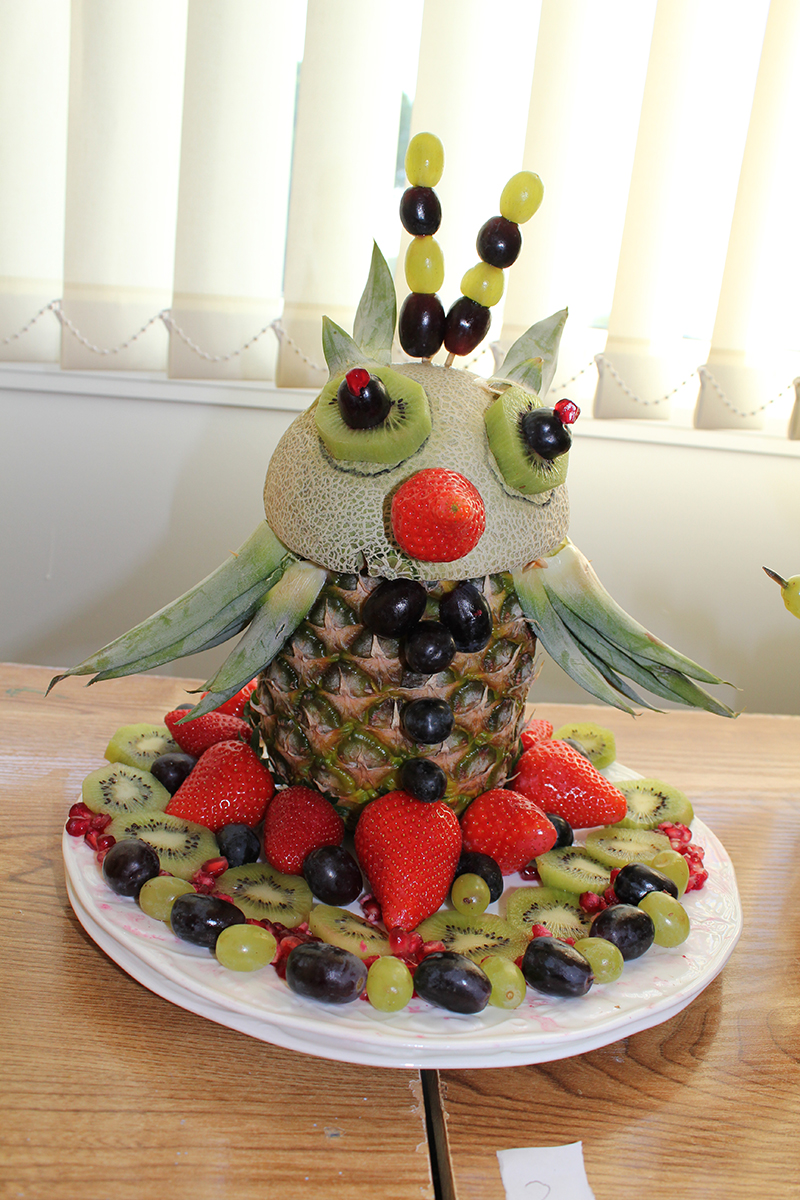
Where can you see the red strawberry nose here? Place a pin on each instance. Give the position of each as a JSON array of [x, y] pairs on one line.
[[437, 516]]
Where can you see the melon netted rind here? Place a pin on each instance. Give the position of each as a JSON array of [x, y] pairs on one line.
[[338, 518]]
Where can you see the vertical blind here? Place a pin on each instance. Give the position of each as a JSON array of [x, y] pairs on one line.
[[186, 186]]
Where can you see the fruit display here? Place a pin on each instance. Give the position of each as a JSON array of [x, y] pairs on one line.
[[414, 553], [369, 719], [416, 907]]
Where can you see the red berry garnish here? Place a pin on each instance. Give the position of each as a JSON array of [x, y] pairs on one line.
[[567, 410], [357, 379]]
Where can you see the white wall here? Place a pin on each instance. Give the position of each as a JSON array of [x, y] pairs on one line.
[[114, 503]]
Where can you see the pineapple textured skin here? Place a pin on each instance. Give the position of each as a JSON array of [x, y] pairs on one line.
[[329, 703]]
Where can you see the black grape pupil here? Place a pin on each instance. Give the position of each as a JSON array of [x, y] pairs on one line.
[[365, 407], [544, 433]]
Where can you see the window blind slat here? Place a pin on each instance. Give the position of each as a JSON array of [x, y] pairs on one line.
[[733, 390], [582, 120], [125, 101], [234, 185], [34, 62], [348, 116], [694, 113]]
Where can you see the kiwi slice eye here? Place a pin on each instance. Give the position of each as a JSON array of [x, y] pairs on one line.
[[399, 409], [529, 442]]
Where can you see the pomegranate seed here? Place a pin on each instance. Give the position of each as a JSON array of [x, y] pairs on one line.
[[105, 842], [285, 947], [77, 826], [431, 948], [614, 873], [591, 903], [569, 941], [529, 872], [404, 944], [357, 380], [371, 909], [100, 822], [610, 897], [370, 960], [91, 838], [81, 810], [567, 410], [538, 930], [215, 867], [202, 882], [223, 896]]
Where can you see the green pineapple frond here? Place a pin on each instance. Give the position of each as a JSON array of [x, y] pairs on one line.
[[531, 361], [601, 646], [277, 616], [373, 328], [215, 609]]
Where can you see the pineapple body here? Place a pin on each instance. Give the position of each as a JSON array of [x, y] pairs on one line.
[[329, 703]]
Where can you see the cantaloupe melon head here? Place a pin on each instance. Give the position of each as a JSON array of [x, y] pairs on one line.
[[337, 513]]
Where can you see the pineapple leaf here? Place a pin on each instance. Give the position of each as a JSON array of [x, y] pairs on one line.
[[531, 361], [570, 578], [339, 349], [559, 642], [196, 619], [275, 620], [373, 328]]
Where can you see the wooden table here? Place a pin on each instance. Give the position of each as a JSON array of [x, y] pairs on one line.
[[108, 1091]]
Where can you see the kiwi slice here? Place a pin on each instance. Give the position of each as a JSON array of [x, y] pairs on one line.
[[265, 894], [475, 936], [559, 911], [182, 846], [573, 869], [599, 743], [140, 745], [650, 802], [520, 466], [119, 788], [402, 432], [617, 845], [341, 928]]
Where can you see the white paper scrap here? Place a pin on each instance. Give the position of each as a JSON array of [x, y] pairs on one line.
[[545, 1173]]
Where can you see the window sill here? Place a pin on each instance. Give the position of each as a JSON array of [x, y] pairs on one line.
[[48, 378]]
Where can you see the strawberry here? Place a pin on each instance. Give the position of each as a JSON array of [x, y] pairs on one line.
[[195, 736], [409, 850], [508, 827], [229, 785], [437, 515], [235, 706], [299, 820], [562, 781], [537, 730]]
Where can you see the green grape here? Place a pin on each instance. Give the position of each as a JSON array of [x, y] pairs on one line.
[[670, 918], [390, 984], [424, 265], [470, 894], [672, 864], [483, 284], [604, 958], [521, 197], [424, 161], [158, 895], [508, 982], [245, 947]]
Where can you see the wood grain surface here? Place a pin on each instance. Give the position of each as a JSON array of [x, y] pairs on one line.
[[108, 1091], [707, 1105]]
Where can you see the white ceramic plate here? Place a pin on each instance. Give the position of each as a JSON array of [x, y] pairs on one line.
[[652, 989]]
